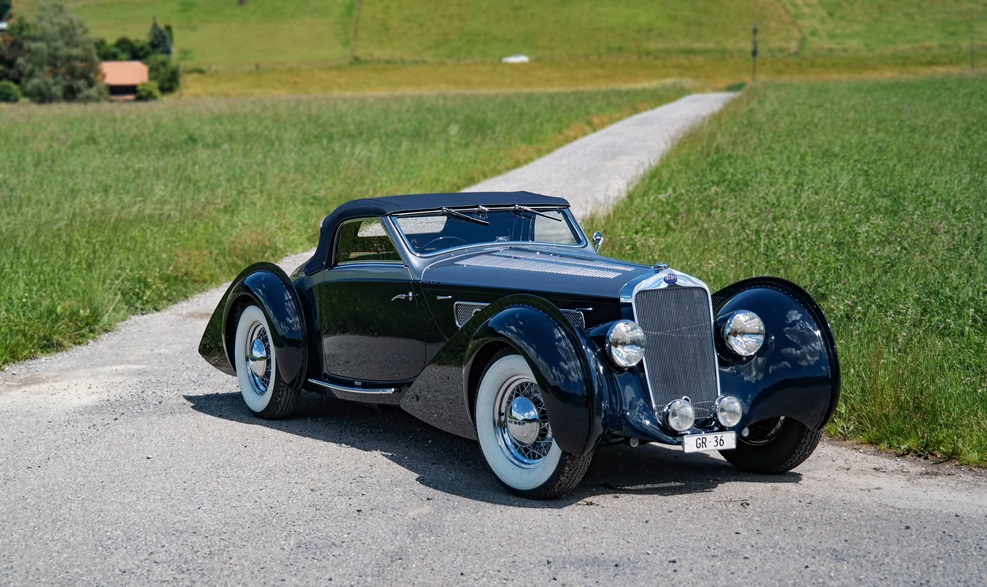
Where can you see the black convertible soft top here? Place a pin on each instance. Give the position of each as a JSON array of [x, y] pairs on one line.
[[382, 206]]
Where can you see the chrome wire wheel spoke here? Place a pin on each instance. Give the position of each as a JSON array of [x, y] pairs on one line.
[[257, 356], [521, 422]]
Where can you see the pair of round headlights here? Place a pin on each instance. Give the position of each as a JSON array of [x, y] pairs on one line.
[[742, 333]]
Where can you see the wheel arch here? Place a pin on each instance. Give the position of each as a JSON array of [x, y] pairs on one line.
[[796, 373], [560, 357], [268, 286]]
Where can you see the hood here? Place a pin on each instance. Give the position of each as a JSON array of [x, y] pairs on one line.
[[536, 270]]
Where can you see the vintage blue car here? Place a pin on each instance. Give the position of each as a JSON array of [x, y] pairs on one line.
[[492, 316]]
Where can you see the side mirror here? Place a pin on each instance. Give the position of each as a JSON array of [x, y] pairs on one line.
[[598, 240]]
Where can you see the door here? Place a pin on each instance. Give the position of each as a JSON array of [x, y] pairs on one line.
[[373, 327]]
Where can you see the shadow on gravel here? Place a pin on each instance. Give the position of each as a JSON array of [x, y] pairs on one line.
[[454, 465]]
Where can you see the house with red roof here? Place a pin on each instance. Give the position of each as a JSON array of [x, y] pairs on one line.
[[123, 77]]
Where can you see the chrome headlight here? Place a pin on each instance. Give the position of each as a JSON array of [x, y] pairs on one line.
[[729, 410], [679, 415], [743, 333], [626, 343]]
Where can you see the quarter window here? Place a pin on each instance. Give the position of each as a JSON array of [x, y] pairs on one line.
[[364, 241]]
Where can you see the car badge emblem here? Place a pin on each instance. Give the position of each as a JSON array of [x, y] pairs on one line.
[[670, 279]]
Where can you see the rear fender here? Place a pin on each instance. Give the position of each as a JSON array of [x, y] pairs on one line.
[[269, 287], [796, 373]]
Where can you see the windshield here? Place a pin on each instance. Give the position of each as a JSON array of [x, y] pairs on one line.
[[431, 232]]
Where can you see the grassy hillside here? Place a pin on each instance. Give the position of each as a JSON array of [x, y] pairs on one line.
[[565, 29], [320, 46], [109, 210], [885, 26], [221, 34], [869, 194]]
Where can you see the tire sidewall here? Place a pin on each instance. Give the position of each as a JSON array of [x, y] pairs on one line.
[[518, 478], [257, 403]]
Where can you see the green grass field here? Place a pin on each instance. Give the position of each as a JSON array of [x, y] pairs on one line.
[[111, 210], [329, 46], [869, 194]]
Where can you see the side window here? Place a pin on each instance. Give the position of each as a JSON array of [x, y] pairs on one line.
[[364, 241]]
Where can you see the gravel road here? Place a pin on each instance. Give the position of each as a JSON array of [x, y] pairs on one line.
[[130, 461]]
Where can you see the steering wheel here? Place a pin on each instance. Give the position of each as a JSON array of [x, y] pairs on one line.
[[450, 241]]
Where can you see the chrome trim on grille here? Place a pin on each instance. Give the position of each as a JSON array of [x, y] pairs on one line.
[[465, 310], [681, 356], [657, 281]]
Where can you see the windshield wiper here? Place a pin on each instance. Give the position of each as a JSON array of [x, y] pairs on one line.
[[520, 208], [459, 214]]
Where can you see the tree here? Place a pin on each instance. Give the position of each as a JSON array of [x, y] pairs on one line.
[[161, 70], [9, 92], [148, 92], [131, 49], [5, 8], [60, 62], [11, 49], [158, 39]]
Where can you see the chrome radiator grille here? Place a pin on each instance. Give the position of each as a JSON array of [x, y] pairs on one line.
[[680, 359]]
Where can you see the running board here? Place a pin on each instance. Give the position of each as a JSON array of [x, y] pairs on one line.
[[374, 395]]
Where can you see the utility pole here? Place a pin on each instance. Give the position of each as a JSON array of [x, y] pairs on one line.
[[356, 31], [754, 54]]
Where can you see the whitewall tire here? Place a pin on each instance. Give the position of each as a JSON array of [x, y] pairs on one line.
[[515, 435], [262, 388]]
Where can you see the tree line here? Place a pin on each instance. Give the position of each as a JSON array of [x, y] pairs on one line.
[[51, 57]]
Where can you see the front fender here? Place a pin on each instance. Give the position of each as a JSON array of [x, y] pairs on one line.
[[561, 359], [268, 286], [796, 373]]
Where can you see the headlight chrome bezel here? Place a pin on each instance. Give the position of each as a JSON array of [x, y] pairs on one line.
[[679, 415], [626, 344], [729, 410], [743, 333]]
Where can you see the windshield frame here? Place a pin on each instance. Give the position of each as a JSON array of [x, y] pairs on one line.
[[478, 211]]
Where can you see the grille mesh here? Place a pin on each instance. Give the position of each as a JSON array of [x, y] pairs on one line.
[[465, 310], [680, 359]]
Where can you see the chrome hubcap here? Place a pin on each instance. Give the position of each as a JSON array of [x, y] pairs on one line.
[[257, 357], [521, 422]]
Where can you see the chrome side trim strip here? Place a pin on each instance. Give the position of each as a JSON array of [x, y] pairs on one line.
[[360, 390]]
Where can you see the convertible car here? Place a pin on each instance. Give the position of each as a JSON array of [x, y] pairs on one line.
[[492, 316]]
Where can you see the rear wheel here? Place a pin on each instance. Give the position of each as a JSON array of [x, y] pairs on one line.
[[263, 390], [773, 446], [515, 436]]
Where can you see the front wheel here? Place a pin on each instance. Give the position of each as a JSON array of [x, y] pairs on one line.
[[515, 436], [263, 389], [773, 446]]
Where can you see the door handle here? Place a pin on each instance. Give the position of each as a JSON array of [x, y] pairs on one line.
[[408, 296]]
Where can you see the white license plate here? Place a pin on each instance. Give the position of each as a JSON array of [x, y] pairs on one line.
[[709, 442]]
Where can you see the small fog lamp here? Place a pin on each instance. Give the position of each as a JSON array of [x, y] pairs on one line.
[[626, 344], [743, 333], [679, 415], [729, 411]]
